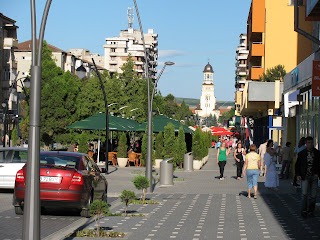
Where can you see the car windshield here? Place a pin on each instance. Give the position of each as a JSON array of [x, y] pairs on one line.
[[60, 160], [13, 156]]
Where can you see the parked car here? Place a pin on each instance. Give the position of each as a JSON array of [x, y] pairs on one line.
[[67, 180], [11, 161]]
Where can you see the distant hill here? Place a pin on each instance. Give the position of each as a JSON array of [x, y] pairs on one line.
[[192, 102]]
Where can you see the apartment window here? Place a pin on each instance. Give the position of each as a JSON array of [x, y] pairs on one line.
[[23, 58], [113, 50]]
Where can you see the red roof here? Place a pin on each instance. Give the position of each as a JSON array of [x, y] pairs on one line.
[[27, 47]]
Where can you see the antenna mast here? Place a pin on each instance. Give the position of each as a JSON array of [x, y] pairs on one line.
[[130, 17]]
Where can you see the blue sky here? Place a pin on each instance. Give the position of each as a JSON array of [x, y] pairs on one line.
[[190, 33]]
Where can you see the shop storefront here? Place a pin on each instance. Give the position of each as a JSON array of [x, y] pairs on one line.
[[301, 108]]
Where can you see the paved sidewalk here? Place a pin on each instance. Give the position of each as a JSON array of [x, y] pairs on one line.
[[203, 207]]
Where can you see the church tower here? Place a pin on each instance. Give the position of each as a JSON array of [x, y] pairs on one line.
[[207, 100]]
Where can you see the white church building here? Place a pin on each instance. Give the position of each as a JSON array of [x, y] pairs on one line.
[[208, 100]]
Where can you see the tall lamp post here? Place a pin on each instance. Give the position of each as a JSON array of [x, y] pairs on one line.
[[4, 106], [31, 220]]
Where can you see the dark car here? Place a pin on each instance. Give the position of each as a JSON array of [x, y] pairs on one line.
[[67, 180]]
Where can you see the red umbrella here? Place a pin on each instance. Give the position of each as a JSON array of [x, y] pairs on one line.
[[220, 131]]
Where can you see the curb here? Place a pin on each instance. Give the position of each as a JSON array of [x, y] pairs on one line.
[[62, 233]]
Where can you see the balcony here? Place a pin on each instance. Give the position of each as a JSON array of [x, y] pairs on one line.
[[257, 49], [256, 72], [9, 43]]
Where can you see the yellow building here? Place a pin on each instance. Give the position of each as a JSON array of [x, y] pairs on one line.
[[271, 40]]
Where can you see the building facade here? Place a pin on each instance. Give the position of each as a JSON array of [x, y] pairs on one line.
[[8, 63], [301, 85], [271, 41], [241, 70], [84, 54]]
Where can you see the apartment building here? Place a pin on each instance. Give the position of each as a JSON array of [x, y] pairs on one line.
[[84, 54], [8, 64], [117, 50], [271, 41], [241, 70]]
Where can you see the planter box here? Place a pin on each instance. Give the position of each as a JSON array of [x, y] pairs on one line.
[[157, 165], [197, 164], [122, 162]]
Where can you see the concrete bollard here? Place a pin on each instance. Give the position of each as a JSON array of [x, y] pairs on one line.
[[188, 162], [166, 173]]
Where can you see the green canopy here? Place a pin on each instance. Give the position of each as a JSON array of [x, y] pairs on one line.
[[160, 121], [98, 122]]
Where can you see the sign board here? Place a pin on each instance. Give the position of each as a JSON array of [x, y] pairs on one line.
[[316, 79]]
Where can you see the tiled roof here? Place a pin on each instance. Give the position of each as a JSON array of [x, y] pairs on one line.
[[7, 18], [26, 47]]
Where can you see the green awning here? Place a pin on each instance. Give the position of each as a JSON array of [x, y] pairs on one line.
[[160, 121], [98, 122]]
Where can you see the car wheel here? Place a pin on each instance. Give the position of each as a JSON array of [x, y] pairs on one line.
[[18, 210], [85, 212]]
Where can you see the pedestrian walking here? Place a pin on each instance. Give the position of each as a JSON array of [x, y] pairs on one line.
[[262, 151], [251, 169], [238, 156], [272, 178], [286, 160], [308, 171], [301, 146], [222, 154]]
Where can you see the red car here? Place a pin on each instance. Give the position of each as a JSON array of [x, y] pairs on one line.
[[67, 180]]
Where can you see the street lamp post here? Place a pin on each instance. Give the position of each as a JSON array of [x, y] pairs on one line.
[[150, 98], [31, 221], [4, 106]]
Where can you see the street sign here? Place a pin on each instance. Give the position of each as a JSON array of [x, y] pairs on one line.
[[316, 79]]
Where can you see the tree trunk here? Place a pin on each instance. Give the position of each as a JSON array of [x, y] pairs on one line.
[[144, 194]]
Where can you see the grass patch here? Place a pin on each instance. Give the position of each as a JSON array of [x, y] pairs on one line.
[[144, 202], [123, 215], [178, 179], [137, 172], [103, 234]]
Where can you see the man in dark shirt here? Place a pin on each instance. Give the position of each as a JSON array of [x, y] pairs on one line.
[[308, 171]]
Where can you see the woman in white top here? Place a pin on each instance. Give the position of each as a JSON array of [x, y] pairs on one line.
[[272, 178]]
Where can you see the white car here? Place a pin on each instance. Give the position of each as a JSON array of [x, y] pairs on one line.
[[12, 159]]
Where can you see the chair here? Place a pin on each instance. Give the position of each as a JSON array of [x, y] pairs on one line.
[[112, 157], [138, 159], [132, 158]]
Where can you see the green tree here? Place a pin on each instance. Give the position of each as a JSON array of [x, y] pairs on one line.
[[215, 121], [144, 147], [159, 146], [274, 73], [83, 139], [180, 148], [126, 197], [141, 183], [122, 147], [98, 208], [14, 136], [226, 115], [169, 141], [196, 145]]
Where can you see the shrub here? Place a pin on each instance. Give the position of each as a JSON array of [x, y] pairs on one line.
[[159, 146], [83, 147], [141, 183], [180, 148], [144, 144], [126, 197], [122, 147], [14, 136], [98, 208], [196, 147], [169, 141]]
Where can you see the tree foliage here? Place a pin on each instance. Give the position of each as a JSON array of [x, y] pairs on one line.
[[180, 148], [274, 73], [126, 197], [122, 147], [141, 183], [169, 141], [159, 146], [98, 208]]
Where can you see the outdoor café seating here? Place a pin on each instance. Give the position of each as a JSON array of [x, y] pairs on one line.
[[134, 158]]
